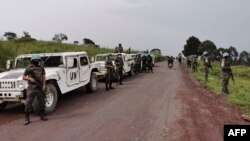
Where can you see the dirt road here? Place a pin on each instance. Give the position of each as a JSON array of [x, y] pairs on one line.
[[166, 105]]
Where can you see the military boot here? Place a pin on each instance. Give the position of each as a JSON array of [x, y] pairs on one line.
[[110, 86], [42, 116], [107, 88], [26, 118]]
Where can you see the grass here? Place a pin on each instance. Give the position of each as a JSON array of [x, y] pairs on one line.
[[239, 91]]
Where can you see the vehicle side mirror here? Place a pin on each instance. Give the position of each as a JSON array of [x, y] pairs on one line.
[[70, 62], [9, 64]]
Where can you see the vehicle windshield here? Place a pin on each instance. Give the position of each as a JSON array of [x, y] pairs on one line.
[[47, 61], [104, 57]]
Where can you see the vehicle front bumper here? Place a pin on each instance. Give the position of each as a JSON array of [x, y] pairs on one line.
[[12, 97]]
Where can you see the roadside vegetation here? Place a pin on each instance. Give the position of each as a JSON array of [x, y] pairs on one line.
[[10, 49], [239, 91]]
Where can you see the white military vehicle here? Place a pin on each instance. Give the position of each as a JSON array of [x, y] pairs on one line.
[[65, 72], [128, 63]]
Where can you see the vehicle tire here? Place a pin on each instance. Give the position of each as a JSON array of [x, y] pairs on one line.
[[93, 83], [51, 100], [3, 106], [131, 72]]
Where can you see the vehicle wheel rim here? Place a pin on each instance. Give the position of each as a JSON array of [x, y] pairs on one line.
[[49, 99]]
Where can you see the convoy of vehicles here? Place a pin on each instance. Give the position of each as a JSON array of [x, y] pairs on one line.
[[128, 63], [64, 72]]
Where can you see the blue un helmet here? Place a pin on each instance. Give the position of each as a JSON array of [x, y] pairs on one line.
[[35, 57], [205, 53], [225, 54], [119, 55]]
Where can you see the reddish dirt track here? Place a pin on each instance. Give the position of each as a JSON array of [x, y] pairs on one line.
[[166, 105]]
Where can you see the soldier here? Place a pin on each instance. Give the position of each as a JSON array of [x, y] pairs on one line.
[[170, 61], [138, 63], [35, 75], [109, 75], [144, 63], [119, 65], [227, 73], [189, 62], [194, 63], [207, 65], [150, 63], [119, 49]]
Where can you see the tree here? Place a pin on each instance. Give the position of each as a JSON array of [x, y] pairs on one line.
[[60, 37], [233, 52], [26, 35], [25, 38], [76, 42], [10, 35], [88, 41], [244, 56], [156, 51], [191, 47], [208, 46]]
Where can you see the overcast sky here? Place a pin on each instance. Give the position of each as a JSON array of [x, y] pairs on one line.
[[139, 24]]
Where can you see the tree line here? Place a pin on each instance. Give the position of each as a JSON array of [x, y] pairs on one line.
[[194, 46], [60, 37]]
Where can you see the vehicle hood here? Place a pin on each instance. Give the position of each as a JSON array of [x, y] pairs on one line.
[[17, 74]]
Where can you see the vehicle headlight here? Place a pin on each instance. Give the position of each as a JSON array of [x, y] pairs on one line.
[[20, 84]]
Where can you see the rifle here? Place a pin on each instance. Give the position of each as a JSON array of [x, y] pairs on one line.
[[32, 73], [232, 76]]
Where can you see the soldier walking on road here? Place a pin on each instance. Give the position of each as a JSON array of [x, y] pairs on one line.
[[119, 65], [35, 75], [194, 63], [207, 65], [109, 75], [227, 73]]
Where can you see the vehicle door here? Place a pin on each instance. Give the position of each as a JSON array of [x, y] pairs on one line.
[[126, 64], [73, 76], [84, 68]]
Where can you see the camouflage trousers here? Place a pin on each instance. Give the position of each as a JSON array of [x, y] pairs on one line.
[[109, 77], [120, 71], [225, 81], [194, 67], [30, 99]]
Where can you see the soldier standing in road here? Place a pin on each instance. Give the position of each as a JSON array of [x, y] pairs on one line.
[[35, 75], [227, 73], [119, 65], [150, 63], [207, 65], [138, 63], [109, 75]]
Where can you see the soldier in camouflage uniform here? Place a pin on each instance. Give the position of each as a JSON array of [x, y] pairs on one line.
[[194, 63], [207, 65], [138, 63], [150, 63], [35, 75], [227, 73], [119, 65], [109, 75]]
